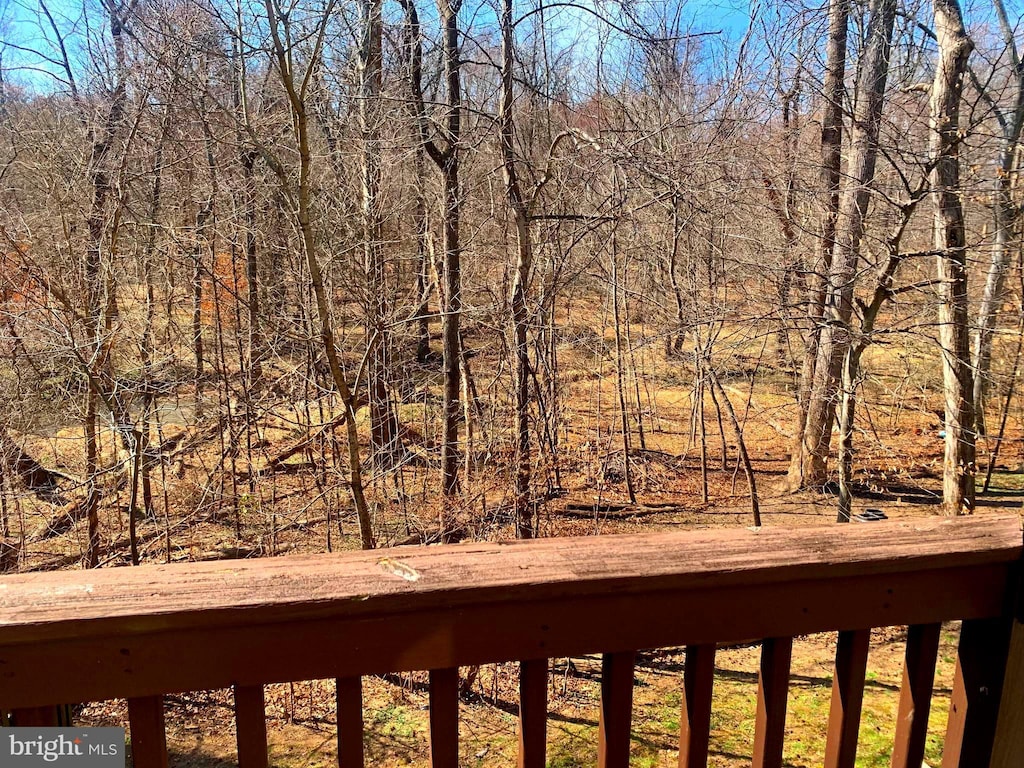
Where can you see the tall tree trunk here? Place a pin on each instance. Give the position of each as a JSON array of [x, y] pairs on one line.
[[620, 372], [851, 363], [835, 333], [831, 164], [203, 243], [450, 288], [423, 267], [519, 208], [302, 204], [1004, 213], [383, 424], [1004, 216], [97, 304], [959, 469], [451, 310], [146, 346], [783, 205], [247, 156]]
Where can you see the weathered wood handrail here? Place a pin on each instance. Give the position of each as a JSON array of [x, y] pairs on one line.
[[139, 633]]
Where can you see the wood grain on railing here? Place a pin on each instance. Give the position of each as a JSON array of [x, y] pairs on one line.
[[161, 629]]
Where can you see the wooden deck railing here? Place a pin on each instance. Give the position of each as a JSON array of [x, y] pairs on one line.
[[140, 633]]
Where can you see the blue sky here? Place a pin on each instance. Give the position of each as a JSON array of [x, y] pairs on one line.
[[78, 18]]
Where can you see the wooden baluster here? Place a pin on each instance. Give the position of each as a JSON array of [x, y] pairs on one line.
[[250, 726], [1009, 739], [149, 740], [772, 696], [847, 698], [616, 717], [444, 718], [533, 713], [695, 719], [35, 717], [350, 722], [977, 687], [916, 695]]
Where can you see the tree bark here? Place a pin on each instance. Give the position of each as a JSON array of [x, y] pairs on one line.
[[451, 309], [519, 208], [450, 288], [97, 304], [831, 164], [838, 310], [1004, 217], [383, 423], [302, 203], [958, 472]]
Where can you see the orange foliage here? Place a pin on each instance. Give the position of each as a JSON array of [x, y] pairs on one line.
[[224, 292], [17, 289]]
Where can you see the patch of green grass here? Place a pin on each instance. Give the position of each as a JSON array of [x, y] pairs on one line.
[[669, 711], [572, 745], [733, 716], [1007, 481], [395, 720]]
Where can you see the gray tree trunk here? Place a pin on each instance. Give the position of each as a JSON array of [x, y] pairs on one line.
[[383, 423], [1004, 216], [519, 208], [838, 310], [958, 469], [831, 164]]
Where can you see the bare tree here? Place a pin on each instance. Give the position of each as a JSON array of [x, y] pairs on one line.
[[1004, 212], [958, 472], [295, 79], [831, 164], [446, 157], [383, 424], [850, 221]]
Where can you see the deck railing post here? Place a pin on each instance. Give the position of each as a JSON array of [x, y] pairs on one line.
[[350, 722], [1008, 748], [251, 726], [772, 698], [149, 737], [916, 695], [444, 718], [847, 698], [533, 713], [616, 716], [695, 718], [977, 689]]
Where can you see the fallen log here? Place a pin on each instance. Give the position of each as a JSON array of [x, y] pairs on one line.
[[43, 482]]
